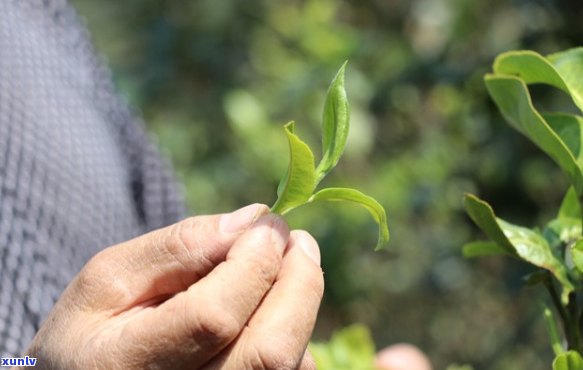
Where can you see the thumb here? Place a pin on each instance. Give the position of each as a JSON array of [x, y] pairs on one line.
[[161, 263]]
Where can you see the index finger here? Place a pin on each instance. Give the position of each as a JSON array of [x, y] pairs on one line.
[[161, 263]]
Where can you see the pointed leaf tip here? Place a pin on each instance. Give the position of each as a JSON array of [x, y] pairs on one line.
[[335, 125]]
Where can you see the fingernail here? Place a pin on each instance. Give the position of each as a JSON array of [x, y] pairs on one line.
[[309, 246], [240, 219]]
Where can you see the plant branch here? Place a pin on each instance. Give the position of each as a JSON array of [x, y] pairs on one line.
[[565, 318]]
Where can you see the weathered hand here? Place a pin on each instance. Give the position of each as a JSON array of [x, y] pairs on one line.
[[231, 291]]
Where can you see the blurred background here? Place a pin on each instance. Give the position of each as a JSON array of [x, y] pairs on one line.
[[216, 80]]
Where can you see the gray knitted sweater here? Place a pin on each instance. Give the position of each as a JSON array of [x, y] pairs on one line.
[[77, 172]]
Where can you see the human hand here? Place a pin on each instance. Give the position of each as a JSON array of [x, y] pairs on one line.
[[402, 357], [232, 291]]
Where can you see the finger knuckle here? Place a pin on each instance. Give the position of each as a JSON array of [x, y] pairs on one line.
[[178, 242], [214, 325], [275, 355]]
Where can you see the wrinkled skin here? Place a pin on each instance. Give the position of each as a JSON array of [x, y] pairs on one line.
[[230, 291]]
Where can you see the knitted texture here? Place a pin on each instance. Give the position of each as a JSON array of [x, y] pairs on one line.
[[77, 172]]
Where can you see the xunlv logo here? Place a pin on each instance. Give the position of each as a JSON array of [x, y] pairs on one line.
[[21, 361]]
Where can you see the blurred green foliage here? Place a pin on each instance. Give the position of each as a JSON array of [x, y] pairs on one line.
[[215, 80], [350, 348]]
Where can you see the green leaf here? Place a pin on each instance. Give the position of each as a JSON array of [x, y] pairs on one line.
[[563, 230], [483, 216], [569, 128], [519, 241], [336, 122], [513, 99], [531, 67], [299, 182], [376, 210], [482, 248], [553, 330], [351, 348], [570, 360], [570, 206], [569, 64], [562, 70], [577, 254]]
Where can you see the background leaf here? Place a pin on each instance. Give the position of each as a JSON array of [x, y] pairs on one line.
[[350, 348], [483, 216], [569, 128], [562, 70], [297, 185], [570, 206], [527, 244], [513, 99], [569, 64], [530, 66]]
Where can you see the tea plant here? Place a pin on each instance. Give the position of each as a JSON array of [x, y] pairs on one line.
[[298, 185], [556, 250]]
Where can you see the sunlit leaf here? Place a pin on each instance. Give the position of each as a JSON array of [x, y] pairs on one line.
[[297, 185], [527, 244], [569, 64], [335, 125], [562, 230], [531, 67], [569, 127], [513, 99], [375, 209], [562, 70], [483, 216]]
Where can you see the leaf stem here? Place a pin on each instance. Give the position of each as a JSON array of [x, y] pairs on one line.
[[566, 321], [553, 331]]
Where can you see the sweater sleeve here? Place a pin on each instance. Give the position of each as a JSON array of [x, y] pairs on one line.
[[77, 170]]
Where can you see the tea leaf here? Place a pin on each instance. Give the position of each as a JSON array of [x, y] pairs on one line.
[[335, 125], [376, 210], [562, 70], [570, 360], [569, 128], [483, 216], [482, 248], [531, 67], [299, 182], [570, 206], [527, 244], [513, 99], [569, 64], [564, 230]]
